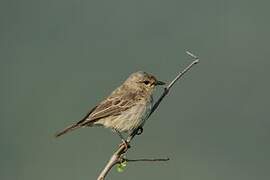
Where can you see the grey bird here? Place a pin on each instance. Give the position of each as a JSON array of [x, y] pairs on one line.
[[125, 109]]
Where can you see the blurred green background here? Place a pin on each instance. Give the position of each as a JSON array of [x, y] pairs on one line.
[[58, 58]]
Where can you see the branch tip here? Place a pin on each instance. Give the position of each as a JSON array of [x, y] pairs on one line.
[[192, 55]]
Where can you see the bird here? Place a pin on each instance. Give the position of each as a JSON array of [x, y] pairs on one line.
[[125, 110]]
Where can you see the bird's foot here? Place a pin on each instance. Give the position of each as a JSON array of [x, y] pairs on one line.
[[125, 144], [139, 131]]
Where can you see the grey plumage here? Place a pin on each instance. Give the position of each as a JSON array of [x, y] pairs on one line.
[[125, 109]]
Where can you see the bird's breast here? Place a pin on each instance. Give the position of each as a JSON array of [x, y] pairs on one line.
[[134, 117]]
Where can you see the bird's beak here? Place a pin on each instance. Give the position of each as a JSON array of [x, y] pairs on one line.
[[160, 83]]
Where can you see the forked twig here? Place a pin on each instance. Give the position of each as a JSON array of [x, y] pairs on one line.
[[117, 157]]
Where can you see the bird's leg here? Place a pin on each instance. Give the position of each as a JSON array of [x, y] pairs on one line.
[[124, 142], [137, 131]]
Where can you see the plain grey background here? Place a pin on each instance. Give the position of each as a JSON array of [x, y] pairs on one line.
[[58, 58]]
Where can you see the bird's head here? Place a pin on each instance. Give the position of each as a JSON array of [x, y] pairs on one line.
[[143, 81]]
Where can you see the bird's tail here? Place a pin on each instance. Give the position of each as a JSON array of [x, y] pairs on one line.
[[82, 123], [67, 129]]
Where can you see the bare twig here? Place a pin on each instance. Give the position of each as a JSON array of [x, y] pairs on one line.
[[146, 160], [117, 157], [167, 89]]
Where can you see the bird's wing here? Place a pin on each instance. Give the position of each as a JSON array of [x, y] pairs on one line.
[[112, 106]]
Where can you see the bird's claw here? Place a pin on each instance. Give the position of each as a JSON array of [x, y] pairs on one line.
[[139, 131], [125, 144]]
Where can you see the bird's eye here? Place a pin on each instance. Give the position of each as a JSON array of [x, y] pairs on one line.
[[146, 82]]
